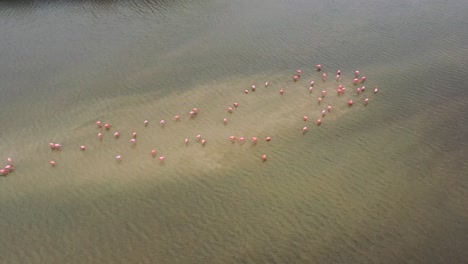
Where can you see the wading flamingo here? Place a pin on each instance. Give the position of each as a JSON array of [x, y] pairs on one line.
[[254, 140]]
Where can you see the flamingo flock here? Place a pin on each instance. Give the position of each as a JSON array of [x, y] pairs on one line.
[[194, 112]]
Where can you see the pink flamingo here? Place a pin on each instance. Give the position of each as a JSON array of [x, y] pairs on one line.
[[319, 122], [133, 141], [264, 158], [311, 89], [268, 139], [52, 163], [266, 84], [363, 79], [320, 100], [319, 67], [198, 137], [254, 140], [358, 90], [177, 118], [356, 81], [236, 105], [350, 103], [83, 148], [107, 126], [306, 118], [146, 123], [153, 153], [118, 158], [229, 110], [225, 121], [99, 124], [304, 130], [281, 91], [366, 101], [312, 83], [242, 140], [246, 91], [337, 78], [58, 146], [134, 135], [376, 90], [10, 162], [186, 141], [162, 123], [233, 139], [299, 72], [116, 134], [338, 72], [324, 77], [324, 93], [253, 88], [162, 159], [356, 73], [295, 78], [203, 142], [324, 112], [329, 108]]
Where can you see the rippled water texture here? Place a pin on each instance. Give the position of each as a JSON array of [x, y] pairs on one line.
[[382, 183]]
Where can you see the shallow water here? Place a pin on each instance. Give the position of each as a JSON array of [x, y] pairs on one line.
[[383, 183]]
